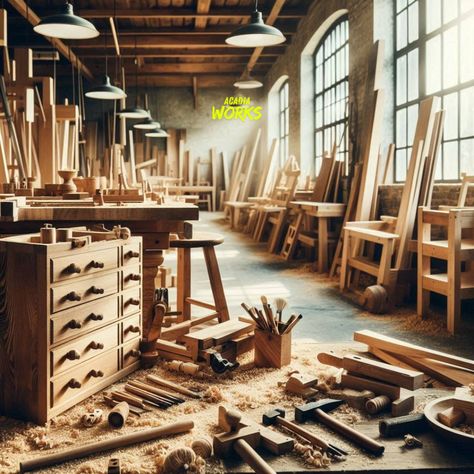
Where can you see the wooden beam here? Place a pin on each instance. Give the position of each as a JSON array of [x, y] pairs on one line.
[[21, 7], [203, 6], [185, 13], [187, 68], [272, 17], [113, 29]]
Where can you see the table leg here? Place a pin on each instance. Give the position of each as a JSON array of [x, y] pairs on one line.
[[322, 244], [152, 259]]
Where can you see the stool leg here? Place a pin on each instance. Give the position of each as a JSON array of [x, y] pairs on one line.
[[216, 284], [184, 283]]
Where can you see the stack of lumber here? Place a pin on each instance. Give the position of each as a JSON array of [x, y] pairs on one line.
[[360, 373], [447, 368]]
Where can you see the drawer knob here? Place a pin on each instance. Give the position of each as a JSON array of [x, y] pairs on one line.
[[72, 296], [72, 268], [96, 317], [133, 329], [74, 324], [133, 277], [96, 264], [96, 373], [96, 291], [133, 301], [73, 383], [96, 345], [132, 254], [134, 353], [73, 355]]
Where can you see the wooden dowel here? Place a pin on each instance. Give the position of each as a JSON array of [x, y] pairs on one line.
[[106, 445], [173, 386], [156, 391]]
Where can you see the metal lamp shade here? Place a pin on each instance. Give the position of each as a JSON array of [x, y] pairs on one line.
[[246, 81], [147, 124], [133, 113], [157, 133], [255, 34], [106, 91], [66, 25]]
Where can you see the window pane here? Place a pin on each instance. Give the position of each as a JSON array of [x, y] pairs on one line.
[[450, 10], [450, 62], [450, 104], [412, 113], [413, 74], [401, 138], [413, 22], [400, 165], [450, 162], [467, 38], [467, 113], [401, 4], [467, 156], [433, 65], [402, 30], [466, 5], [433, 15], [401, 80]]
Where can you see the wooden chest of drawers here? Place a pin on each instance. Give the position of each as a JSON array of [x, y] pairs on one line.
[[70, 322]]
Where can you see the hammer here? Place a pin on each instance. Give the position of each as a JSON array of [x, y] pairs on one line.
[[319, 411], [277, 417], [242, 440]]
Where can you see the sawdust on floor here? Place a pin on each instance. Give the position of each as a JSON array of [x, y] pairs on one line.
[[252, 390]]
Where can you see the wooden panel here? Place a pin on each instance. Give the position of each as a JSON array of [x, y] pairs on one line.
[[87, 290], [103, 340], [90, 317], [61, 392], [86, 263], [379, 388]]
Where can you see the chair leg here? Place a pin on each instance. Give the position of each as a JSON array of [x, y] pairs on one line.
[[216, 284], [184, 283], [346, 251], [275, 235]]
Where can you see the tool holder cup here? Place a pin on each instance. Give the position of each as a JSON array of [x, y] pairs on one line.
[[272, 350]]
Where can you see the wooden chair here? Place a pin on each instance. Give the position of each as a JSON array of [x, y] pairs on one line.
[[394, 234], [457, 251], [466, 183]]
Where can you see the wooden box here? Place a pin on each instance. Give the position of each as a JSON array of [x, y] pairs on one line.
[[272, 350], [70, 322]]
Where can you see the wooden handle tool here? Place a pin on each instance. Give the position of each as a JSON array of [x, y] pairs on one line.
[[357, 437], [105, 445], [173, 386], [148, 397], [292, 324], [156, 391], [130, 399], [328, 358], [252, 458]]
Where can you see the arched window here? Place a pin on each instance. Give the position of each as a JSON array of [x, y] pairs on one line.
[[331, 87], [284, 122], [433, 54]]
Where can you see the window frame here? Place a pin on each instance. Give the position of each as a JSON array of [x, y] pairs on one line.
[[283, 118], [420, 44], [332, 125]]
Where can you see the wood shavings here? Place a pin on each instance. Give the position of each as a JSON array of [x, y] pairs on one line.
[[213, 395], [42, 442], [245, 402], [411, 442], [312, 456]]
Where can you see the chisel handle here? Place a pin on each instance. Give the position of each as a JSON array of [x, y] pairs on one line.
[[304, 433], [252, 458], [357, 437]]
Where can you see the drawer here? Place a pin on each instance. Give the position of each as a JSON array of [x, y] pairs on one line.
[[131, 276], [131, 352], [73, 266], [81, 291], [83, 377], [84, 319], [132, 253], [84, 348], [131, 328], [131, 301]]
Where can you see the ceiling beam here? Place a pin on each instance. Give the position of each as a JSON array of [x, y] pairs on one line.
[[26, 12], [271, 19], [173, 13], [203, 6]]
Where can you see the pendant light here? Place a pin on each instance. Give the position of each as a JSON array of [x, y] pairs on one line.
[[134, 112], [157, 133], [106, 91], [66, 25], [147, 124], [256, 33], [246, 81]]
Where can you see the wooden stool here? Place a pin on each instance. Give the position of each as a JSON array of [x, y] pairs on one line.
[[207, 242]]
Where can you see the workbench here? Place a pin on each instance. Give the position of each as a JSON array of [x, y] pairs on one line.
[[153, 222]]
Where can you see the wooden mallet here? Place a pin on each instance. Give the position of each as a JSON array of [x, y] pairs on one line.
[[241, 440]]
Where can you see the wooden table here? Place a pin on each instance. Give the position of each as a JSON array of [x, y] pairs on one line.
[[151, 221], [323, 212]]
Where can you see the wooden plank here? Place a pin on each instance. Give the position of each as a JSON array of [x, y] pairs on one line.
[[265, 173], [322, 179], [361, 383], [397, 346]]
